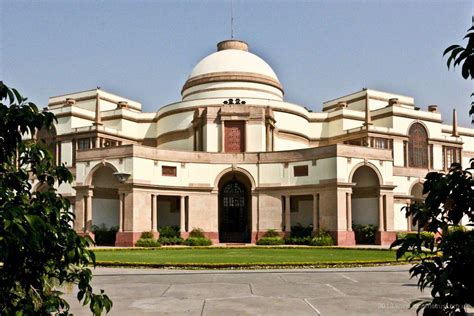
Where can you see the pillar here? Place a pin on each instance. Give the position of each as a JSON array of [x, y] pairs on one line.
[[287, 214], [222, 136], [349, 211], [88, 224], [154, 214], [182, 215], [315, 212], [381, 217], [122, 209], [267, 138]]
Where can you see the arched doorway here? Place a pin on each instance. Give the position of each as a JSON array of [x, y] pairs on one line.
[[105, 205], [234, 208], [365, 204]]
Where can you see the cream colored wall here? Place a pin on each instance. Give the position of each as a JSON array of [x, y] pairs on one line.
[[284, 143], [255, 137], [398, 153], [174, 122], [212, 137], [243, 90], [203, 212], [186, 144], [270, 209], [66, 153], [400, 221], [437, 157]]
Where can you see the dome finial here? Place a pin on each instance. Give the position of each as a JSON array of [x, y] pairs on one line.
[[233, 44]]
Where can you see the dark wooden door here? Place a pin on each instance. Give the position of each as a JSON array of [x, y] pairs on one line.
[[233, 213], [234, 136]]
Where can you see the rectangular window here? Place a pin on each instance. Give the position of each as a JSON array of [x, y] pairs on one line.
[[450, 156], [83, 143], [381, 143], [168, 171], [300, 171]]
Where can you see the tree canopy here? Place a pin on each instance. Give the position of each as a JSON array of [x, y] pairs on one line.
[[39, 251]]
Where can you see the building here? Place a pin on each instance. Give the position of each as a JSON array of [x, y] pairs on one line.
[[234, 159]]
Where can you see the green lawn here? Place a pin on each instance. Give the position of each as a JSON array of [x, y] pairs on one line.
[[244, 256]]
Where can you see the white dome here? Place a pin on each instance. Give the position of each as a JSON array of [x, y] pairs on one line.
[[233, 60], [232, 72]]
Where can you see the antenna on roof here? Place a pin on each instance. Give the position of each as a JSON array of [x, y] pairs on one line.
[[231, 19]]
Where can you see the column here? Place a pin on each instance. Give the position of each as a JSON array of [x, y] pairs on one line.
[[121, 211], [154, 215], [182, 218], [267, 138], [222, 136], [287, 214], [381, 221], [349, 211], [88, 225], [315, 212]]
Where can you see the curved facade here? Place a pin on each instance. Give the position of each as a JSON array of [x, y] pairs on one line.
[[235, 159]]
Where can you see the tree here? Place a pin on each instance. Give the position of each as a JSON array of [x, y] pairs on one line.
[[445, 264], [39, 251], [464, 55]]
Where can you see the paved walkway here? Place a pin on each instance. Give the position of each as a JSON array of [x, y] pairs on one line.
[[356, 291]]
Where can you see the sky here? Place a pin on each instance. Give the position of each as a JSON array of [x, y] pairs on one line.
[[320, 50]]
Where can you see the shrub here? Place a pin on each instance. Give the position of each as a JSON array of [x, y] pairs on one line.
[[271, 233], [147, 242], [301, 231], [364, 234], [322, 238], [298, 240], [197, 233], [270, 241], [147, 235], [104, 236], [457, 228], [169, 231], [193, 241], [170, 240], [425, 236]]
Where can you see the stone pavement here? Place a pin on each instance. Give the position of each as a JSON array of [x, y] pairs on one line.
[[354, 291]]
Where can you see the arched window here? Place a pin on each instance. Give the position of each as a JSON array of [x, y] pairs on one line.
[[418, 146]]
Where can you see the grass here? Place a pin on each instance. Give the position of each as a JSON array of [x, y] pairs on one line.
[[242, 257]]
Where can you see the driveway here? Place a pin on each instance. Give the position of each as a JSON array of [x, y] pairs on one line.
[[355, 291]]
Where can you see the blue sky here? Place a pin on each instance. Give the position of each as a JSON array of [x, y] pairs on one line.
[[320, 50]]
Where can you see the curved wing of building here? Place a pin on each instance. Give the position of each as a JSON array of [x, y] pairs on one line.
[[235, 159]]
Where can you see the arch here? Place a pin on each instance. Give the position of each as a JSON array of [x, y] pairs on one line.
[[234, 207], [95, 168], [418, 145], [416, 191], [243, 171], [366, 164], [105, 203], [365, 199], [420, 123]]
